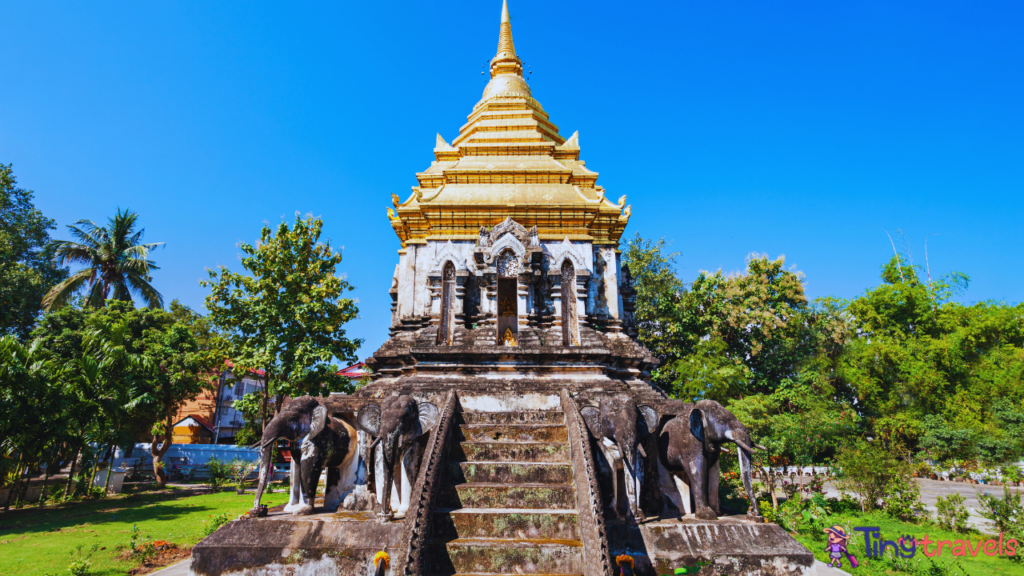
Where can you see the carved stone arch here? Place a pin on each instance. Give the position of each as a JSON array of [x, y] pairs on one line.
[[508, 241], [567, 250], [447, 252]]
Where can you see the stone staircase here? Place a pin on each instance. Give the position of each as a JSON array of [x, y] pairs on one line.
[[508, 501]]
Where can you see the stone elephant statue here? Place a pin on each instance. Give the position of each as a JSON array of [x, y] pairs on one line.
[[621, 429], [318, 441], [395, 424], [689, 447]]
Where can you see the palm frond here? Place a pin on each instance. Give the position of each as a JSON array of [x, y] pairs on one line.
[[150, 296], [66, 252], [88, 232], [60, 294], [96, 298]]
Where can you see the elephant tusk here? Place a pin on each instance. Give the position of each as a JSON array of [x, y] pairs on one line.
[[744, 446], [640, 449], [375, 442]]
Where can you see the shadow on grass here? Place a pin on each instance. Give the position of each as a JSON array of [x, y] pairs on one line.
[[131, 508]]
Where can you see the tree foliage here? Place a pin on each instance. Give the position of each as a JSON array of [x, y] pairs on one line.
[[285, 314], [903, 364], [27, 270], [116, 262]]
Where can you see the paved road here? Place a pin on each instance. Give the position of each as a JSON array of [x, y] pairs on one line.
[[932, 489]]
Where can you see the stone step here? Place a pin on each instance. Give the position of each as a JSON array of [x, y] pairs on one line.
[[506, 523], [518, 556], [522, 417], [514, 432], [504, 495], [554, 452], [514, 472]]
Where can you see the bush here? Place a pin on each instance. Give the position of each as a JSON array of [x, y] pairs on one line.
[[902, 498], [80, 563], [215, 522], [1006, 513], [867, 470], [951, 513], [219, 473], [239, 470]]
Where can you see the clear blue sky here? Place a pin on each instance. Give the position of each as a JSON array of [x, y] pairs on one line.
[[796, 128]]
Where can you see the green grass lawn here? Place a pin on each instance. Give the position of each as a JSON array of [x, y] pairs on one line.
[[980, 565], [39, 541]]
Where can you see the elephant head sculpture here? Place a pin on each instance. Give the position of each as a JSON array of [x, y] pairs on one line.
[[395, 424], [621, 429], [318, 441], [689, 447]]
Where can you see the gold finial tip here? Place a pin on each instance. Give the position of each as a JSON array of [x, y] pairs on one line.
[[506, 48]]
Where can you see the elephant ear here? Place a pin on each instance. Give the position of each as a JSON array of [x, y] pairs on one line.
[[368, 419], [592, 417], [428, 416], [650, 418], [697, 424], [318, 421]]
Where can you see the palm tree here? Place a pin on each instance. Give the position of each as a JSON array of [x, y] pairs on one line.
[[114, 259]]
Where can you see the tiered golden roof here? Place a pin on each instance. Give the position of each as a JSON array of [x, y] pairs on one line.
[[508, 160]]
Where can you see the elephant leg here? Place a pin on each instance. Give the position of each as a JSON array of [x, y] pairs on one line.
[[713, 479], [684, 494], [669, 490], [332, 495], [699, 486], [295, 500]]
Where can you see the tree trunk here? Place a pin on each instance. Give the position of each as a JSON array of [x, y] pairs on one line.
[[71, 473], [23, 490], [266, 401], [95, 469], [46, 480], [158, 453], [110, 470], [14, 487]]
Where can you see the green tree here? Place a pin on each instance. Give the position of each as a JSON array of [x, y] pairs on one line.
[[286, 314], [117, 263], [180, 370], [937, 376], [27, 270]]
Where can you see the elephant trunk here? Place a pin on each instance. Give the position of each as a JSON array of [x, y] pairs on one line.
[[744, 458], [629, 447], [389, 450], [266, 474]]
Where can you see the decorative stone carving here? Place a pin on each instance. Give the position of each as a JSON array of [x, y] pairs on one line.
[[558, 253], [507, 264], [447, 252], [510, 226]]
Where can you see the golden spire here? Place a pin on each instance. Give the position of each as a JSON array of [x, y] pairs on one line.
[[506, 61], [505, 38]]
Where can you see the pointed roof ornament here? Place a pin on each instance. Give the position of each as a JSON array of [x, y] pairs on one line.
[[505, 43], [506, 61]]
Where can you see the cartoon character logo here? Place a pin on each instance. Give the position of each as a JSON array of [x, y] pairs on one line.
[[836, 548]]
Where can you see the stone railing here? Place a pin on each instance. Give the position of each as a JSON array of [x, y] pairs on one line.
[[596, 554], [413, 559]]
